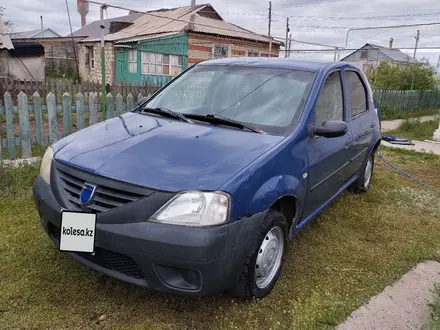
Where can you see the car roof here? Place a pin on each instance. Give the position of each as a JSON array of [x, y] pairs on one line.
[[280, 63]]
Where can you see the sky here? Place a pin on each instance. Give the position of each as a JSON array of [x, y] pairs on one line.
[[318, 21]]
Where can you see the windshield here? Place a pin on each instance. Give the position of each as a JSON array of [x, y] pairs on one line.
[[267, 98]]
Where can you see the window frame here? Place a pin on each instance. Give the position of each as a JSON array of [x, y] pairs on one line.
[[220, 45], [135, 52], [367, 102], [344, 103], [155, 63]]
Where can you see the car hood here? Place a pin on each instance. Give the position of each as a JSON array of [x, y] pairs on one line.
[[162, 154]]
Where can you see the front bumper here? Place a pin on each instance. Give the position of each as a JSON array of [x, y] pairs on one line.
[[194, 261]]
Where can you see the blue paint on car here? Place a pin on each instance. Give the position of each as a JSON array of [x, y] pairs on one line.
[[267, 137]]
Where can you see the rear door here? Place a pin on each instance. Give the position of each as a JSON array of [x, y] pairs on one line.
[[361, 121], [328, 157]]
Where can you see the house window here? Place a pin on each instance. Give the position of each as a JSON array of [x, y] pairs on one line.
[[220, 51], [154, 63], [90, 57], [253, 54], [132, 61], [364, 54]]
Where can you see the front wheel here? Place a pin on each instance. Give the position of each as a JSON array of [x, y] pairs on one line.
[[362, 184], [265, 259]]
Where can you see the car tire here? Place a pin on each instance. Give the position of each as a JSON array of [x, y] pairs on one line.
[[265, 259], [362, 185]]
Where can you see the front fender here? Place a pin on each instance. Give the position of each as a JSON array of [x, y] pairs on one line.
[[275, 188]]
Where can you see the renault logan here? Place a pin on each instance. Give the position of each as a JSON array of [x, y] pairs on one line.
[[198, 189]]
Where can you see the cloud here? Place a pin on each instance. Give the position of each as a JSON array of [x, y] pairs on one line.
[[306, 16]]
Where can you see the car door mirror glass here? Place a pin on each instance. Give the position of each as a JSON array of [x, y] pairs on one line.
[[331, 129]]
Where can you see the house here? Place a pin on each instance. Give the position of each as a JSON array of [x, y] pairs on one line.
[[20, 61], [369, 56], [157, 45], [35, 34]]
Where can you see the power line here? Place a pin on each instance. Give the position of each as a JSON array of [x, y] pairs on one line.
[[354, 49]]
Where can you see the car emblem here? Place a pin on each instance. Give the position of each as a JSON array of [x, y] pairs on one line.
[[86, 193]]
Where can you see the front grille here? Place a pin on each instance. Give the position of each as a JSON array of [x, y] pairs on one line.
[[104, 199], [108, 259]]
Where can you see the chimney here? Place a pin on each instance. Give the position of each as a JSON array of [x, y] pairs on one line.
[[391, 43], [193, 4]]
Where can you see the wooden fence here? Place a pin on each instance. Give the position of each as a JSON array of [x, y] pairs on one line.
[[60, 86], [41, 124], [407, 100], [41, 120]]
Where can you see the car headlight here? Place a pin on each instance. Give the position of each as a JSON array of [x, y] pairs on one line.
[[195, 208], [46, 163]]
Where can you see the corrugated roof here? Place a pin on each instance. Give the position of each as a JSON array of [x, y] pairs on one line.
[[29, 34], [177, 20], [150, 36], [5, 40], [93, 29], [394, 54]]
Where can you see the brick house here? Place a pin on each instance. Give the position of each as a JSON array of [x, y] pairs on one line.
[[154, 47]]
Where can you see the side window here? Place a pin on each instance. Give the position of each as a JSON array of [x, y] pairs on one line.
[[358, 95], [330, 104]]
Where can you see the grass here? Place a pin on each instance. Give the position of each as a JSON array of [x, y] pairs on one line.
[[415, 129], [392, 113], [358, 246]]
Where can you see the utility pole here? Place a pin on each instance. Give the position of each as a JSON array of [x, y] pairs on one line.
[[290, 43], [335, 54], [103, 90], [417, 37], [438, 67], [270, 24], [42, 29], [287, 38]]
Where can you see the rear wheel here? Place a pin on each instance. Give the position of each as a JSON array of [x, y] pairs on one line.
[[265, 259], [362, 184]]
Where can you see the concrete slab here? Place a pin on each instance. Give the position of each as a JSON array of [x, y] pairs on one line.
[[420, 146], [388, 125], [402, 305]]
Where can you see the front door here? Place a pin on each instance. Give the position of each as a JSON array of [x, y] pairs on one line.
[[361, 119], [328, 157]]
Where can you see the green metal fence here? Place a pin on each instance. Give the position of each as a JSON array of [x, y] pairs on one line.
[[407, 100]]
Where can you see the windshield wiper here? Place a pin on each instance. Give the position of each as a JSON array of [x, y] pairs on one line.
[[216, 119], [166, 112]]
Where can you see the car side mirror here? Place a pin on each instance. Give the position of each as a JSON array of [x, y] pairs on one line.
[[331, 129]]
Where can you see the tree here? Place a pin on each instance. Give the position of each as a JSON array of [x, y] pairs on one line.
[[420, 75], [9, 24]]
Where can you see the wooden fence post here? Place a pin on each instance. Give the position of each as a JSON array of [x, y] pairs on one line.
[[119, 105], [80, 123], [36, 100], [67, 114], [25, 137], [110, 105], [10, 137], [51, 101], [93, 108], [129, 101]]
